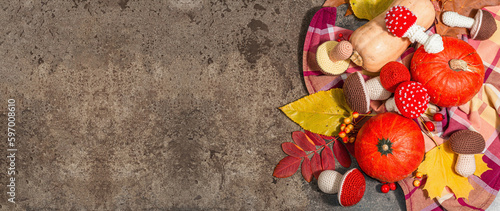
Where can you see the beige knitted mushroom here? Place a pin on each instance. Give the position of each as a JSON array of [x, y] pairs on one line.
[[358, 93], [466, 143], [333, 57]]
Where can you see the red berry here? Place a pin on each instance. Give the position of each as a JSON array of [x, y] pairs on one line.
[[438, 117], [338, 40], [385, 188], [342, 134], [392, 186], [345, 140], [416, 183], [341, 35], [429, 126]]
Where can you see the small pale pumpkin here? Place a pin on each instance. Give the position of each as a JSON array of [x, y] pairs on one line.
[[389, 147]]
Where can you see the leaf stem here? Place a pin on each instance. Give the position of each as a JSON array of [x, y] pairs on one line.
[[428, 132], [321, 147]]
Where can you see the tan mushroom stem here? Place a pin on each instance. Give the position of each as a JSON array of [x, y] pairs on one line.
[[466, 164], [375, 89], [454, 19], [390, 105], [329, 181]]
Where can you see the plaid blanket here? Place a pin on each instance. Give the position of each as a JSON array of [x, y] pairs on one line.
[[481, 114]]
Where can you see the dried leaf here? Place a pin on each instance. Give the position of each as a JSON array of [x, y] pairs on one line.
[[316, 139], [293, 150], [316, 165], [462, 7], [439, 168], [320, 112], [287, 167], [335, 3], [327, 159], [369, 9], [306, 169], [341, 154], [349, 11], [301, 139]]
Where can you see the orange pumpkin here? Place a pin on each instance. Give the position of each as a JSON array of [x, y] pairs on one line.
[[453, 76], [389, 147]]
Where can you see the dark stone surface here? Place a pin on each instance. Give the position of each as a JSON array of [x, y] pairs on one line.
[[157, 105]]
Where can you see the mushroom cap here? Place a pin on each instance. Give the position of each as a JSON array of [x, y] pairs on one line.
[[399, 19], [467, 142], [356, 93], [327, 65], [352, 188], [484, 26], [411, 99], [392, 74]]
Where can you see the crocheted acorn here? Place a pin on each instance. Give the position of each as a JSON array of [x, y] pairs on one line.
[[482, 26], [350, 187], [401, 22], [333, 57], [410, 100], [392, 74], [466, 143]]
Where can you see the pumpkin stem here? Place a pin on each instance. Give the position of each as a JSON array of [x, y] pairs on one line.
[[356, 58], [458, 65]]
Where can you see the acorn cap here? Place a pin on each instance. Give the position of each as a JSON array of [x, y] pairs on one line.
[[333, 57], [484, 26], [392, 74], [467, 142], [411, 99], [356, 93], [399, 19], [352, 188]]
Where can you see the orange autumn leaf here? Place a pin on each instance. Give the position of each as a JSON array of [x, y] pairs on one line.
[[439, 166], [336, 3], [462, 7]]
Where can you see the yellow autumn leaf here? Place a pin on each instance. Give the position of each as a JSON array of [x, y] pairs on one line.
[[321, 112], [369, 9], [439, 168]]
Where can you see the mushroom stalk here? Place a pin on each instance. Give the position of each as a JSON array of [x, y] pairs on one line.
[[454, 19], [375, 89], [466, 164]]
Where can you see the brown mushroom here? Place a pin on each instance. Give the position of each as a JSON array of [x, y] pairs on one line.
[[466, 144], [482, 26]]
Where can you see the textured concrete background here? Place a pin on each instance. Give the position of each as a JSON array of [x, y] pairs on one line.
[[156, 105]]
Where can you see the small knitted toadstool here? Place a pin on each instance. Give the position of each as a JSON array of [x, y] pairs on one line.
[[358, 93], [401, 22], [350, 187], [466, 143], [333, 57], [410, 99], [392, 74], [482, 26]]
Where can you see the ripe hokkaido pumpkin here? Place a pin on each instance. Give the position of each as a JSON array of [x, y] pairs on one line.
[[452, 76], [389, 147], [374, 46]]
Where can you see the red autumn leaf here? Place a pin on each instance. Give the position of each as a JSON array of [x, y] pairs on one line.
[[327, 159], [293, 150], [350, 148], [306, 169], [316, 165], [316, 139], [287, 167], [303, 141], [341, 153]]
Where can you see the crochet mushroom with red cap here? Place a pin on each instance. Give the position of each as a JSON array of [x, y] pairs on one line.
[[466, 143], [410, 99], [392, 74], [401, 22], [350, 187]]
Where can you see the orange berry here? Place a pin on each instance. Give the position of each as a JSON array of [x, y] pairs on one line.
[[419, 175], [345, 140], [347, 120], [416, 183], [342, 134], [342, 127], [352, 139], [355, 114], [347, 130], [350, 127]]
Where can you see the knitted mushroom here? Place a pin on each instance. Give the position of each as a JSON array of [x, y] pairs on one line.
[[466, 143], [350, 187], [358, 93], [392, 74], [333, 57], [410, 99], [401, 22], [482, 26]]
